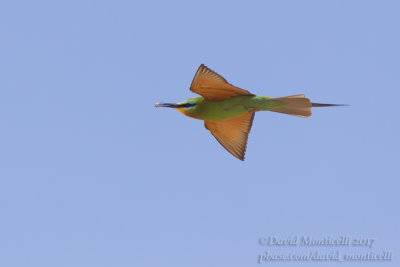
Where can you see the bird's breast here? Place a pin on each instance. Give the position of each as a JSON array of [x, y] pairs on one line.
[[220, 110]]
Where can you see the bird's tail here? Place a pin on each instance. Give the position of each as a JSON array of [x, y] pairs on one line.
[[299, 105]]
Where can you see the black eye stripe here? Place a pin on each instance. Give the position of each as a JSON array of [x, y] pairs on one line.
[[186, 105]]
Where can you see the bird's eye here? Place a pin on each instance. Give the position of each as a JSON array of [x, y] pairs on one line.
[[186, 105]]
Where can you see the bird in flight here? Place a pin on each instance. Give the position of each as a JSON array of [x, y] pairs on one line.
[[228, 111]]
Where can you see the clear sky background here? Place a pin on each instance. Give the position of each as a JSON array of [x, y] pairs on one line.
[[92, 174]]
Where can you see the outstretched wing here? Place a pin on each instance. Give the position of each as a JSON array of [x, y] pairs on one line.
[[232, 133], [213, 86]]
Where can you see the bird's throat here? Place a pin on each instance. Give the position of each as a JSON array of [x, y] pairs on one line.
[[184, 112]]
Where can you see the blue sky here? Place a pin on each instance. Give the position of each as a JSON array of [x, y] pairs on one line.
[[91, 174]]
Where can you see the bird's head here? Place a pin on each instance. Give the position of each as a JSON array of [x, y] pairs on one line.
[[187, 107]]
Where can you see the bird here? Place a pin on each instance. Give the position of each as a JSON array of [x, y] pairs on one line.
[[228, 111]]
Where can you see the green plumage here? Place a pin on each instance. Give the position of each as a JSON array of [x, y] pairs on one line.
[[231, 107]]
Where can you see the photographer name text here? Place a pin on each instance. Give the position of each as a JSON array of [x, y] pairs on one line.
[[308, 241]]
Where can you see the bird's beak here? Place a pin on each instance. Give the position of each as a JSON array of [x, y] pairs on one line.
[[166, 105]]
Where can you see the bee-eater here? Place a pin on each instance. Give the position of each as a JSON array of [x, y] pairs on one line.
[[228, 111]]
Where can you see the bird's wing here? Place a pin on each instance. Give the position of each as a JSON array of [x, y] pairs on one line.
[[232, 133], [213, 86]]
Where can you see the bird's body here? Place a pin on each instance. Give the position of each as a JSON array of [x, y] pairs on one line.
[[228, 111], [229, 108]]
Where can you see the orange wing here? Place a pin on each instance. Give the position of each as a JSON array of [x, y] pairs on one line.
[[213, 86], [232, 133]]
